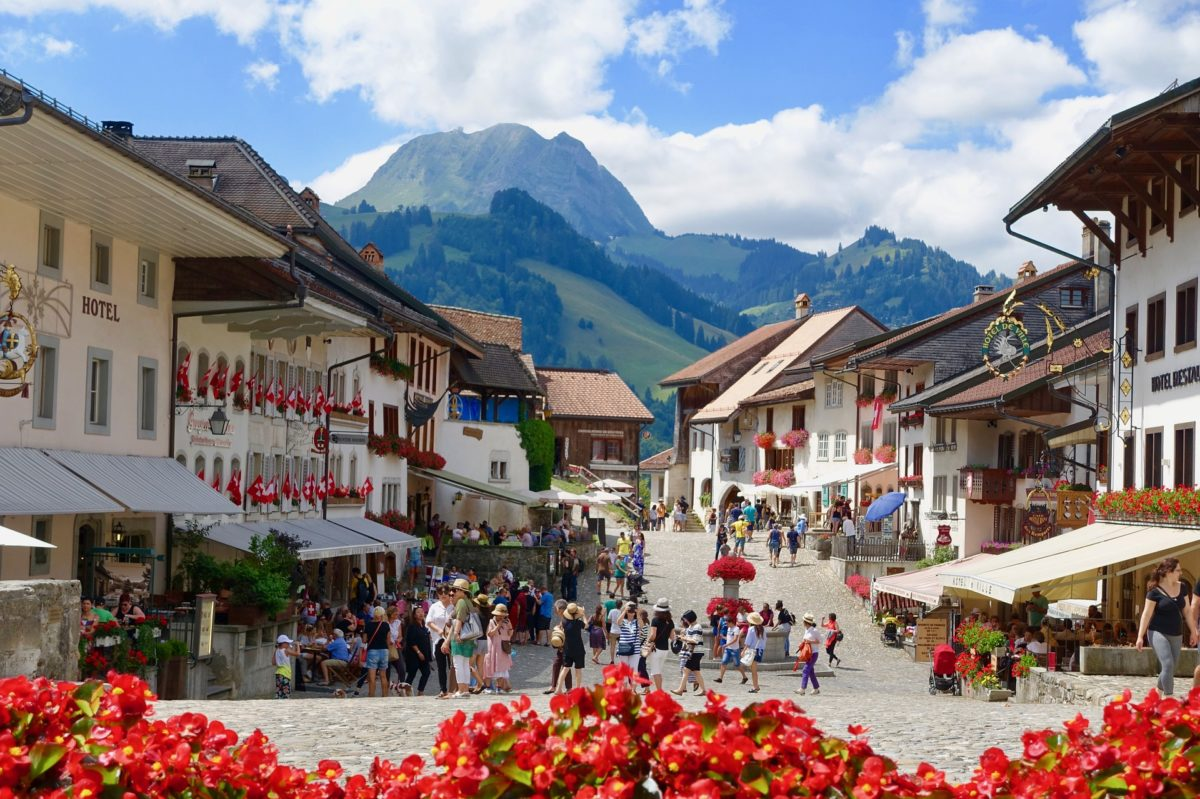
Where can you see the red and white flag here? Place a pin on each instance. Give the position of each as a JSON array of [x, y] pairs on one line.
[[287, 486], [291, 398], [200, 474], [234, 488], [182, 382], [216, 483], [877, 418], [205, 380], [367, 488], [301, 402], [319, 487], [357, 403], [271, 396], [235, 382], [310, 488], [220, 382], [271, 492], [255, 491], [318, 404]]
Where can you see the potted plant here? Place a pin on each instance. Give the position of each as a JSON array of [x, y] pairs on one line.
[[262, 583], [764, 440], [862, 456], [885, 453], [795, 439], [731, 571], [172, 669]]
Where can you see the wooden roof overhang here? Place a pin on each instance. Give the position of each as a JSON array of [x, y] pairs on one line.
[[1112, 171], [1032, 401]]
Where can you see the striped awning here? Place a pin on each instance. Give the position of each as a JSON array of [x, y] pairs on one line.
[[145, 484], [36, 485], [325, 539]]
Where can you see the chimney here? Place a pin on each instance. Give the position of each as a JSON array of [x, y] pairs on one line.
[[311, 199], [1093, 248], [202, 172], [982, 293], [371, 254], [1027, 272], [803, 306], [118, 128]]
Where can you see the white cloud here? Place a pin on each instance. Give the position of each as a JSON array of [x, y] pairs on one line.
[[17, 45], [1142, 45], [240, 18], [904, 49], [262, 73], [666, 36], [943, 17], [350, 175]]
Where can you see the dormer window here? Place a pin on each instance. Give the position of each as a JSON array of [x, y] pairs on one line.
[[201, 167]]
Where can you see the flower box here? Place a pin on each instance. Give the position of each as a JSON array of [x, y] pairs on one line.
[[794, 439], [862, 456], [349, 418], [764, 440], [885, 453], [344, 500], [914, 419], [911, 480]]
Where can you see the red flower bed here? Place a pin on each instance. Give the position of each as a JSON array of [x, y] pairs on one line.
[[728, 606], [393, 519], [396, 446], [859, 585], [730, 568], [65, 740]]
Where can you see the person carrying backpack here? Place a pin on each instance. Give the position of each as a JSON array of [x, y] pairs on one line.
[[362, 590]]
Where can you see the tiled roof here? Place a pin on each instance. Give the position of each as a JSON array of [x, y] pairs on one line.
[[800, 342], [914, 332], [485, 327], [796, 391], [759, 340], [1034, 373], [500, 367], [591, 394], [658, 462]]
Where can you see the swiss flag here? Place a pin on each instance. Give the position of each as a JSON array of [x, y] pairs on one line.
[[271, 492], [220, 382], [319, 487], [236, 382], [357, 403], [287, 486], [255, 491], [310, 488], [205, 380], [318, 403], [367, 488], [272, 397], [234, 488], [877, 417], [216, 483], [301, 402], [181, 374], [291, 398]]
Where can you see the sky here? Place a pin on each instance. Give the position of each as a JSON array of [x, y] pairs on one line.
[[798, 120]]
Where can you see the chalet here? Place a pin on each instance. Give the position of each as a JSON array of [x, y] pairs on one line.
[[597, 421]]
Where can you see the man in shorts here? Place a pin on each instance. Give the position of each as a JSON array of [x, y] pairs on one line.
[[604, 572], [793, 543], [741, 529], [731, 648]]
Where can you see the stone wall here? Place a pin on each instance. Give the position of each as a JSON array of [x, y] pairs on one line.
[[242, 665], [539, 564], [39, 628], [1127, 660], [1042, 687]]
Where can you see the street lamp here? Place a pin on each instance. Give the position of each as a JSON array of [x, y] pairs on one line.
[[218, 423]]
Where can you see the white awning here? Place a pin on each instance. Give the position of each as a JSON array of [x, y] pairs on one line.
[[389, 537], [923, 585], [467, 484], [1068, 566], [144, 484], [842, 473], [35, 485], [325, 539]]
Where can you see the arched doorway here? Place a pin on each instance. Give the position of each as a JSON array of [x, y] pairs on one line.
[[731, 493]]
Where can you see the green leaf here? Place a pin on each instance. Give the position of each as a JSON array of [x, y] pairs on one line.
[[43, 756], [501, 743], [760, 728], [756, 777], [708, 725], [516, 774], [1113, 783], [493, 787]]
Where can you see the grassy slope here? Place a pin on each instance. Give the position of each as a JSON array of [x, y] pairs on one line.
[[644, 352], [692, 253]]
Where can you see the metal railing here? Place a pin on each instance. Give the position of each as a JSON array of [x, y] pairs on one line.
[[885, 549]]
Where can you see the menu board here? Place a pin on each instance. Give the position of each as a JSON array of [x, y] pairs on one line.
[[931, 632]]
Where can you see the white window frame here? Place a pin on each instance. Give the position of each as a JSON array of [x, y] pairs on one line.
[[143, 397], [45, 220], [498, 471], [939, 493], [822, 446], [147, 277], [841, 445], [102, 393], [833, 394], [100, 240], [48, 352]]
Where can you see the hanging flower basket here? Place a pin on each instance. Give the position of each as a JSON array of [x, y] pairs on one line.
[[865, 400], [764, 477], [730, 568], [782, 478], [862, 456], [764, 440], [794, 439]]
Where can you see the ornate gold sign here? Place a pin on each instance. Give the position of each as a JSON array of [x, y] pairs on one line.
[[18, 341]]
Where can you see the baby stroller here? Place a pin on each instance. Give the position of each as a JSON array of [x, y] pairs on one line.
[[942, 676], [635, 585], [891, 634]]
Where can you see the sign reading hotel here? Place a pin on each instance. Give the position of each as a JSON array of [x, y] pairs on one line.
[[101, 309], [1180, 377]]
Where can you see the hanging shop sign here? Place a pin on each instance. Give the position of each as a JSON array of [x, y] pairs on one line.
[[18, 342], [1006, 345], [1039, 520], [320, 443]]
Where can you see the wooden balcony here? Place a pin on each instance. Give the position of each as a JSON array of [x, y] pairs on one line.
[[990, 486]]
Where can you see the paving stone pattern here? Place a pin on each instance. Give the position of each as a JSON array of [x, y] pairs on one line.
[[876, 686]]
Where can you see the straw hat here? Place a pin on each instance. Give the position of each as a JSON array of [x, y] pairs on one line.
[[573, 611], [557, 638], [809, 618], [755, 619], [663, 605], [500, 610], [461, 585], [483, 601]]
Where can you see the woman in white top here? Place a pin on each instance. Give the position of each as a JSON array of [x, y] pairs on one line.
[[756, 642]]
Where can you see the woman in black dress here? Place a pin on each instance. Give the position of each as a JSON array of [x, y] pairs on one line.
[[418, 648]]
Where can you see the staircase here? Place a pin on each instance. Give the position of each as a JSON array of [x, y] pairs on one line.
[[694, 524]]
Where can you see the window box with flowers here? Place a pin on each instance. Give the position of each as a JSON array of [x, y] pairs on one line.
[[865, 400], [794, 439], [911, 480], [393, 519], [885, 453], [1157, 505], [993, 547], [764, 440], [914, 419], [384, 446], [390, 367], [888, 397], [780, 478], [862, 456]]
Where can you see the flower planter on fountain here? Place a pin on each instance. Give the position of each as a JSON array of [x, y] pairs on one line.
[[732, 572]]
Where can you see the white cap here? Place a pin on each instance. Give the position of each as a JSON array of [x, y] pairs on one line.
[[283, 639]]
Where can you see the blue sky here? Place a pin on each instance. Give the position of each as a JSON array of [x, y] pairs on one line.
[[795, 119]]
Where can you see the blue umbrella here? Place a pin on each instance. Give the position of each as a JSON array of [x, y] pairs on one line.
[[885, 505]]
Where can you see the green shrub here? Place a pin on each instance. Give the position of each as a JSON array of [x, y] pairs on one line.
[[537, 439]]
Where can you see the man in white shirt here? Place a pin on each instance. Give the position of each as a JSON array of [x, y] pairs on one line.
[[436, 620]]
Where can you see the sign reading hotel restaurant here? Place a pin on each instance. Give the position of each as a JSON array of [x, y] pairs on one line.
[[101, 309], [200, 433], [1180, 377]]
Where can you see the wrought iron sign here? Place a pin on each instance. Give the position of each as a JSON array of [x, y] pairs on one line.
[[18, 341]]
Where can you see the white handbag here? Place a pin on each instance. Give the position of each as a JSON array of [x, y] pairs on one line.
[[748, 656]]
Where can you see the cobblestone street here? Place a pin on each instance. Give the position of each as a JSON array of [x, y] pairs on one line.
[[876, 686]]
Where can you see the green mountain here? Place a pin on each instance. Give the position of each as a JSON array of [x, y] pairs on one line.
[[898, 280], [579, 307], [460, 172]]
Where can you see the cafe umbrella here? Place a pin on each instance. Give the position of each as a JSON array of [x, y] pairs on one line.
[[885, 506], [11, 538]]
